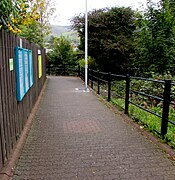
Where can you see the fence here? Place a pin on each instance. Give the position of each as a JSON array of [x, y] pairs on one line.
[[124, 91], [156, 97], [63, 70], [13, 113]]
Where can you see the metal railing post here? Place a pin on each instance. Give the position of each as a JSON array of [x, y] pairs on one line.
[[166, 105], [109, 86], [88, 76], [49, 69], [98, 75], [92, 79], [127, 93], [64, 66], [78, 70]]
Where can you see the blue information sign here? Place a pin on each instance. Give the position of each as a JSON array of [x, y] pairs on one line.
[[24, 71]]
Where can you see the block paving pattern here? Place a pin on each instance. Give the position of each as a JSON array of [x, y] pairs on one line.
[[75, 136]]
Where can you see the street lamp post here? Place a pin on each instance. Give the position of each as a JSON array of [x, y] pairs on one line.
[[86, 47]]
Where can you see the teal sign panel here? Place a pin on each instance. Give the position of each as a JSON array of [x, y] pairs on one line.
[[24, 71]]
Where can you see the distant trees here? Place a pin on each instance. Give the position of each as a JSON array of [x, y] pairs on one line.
[[125, 41], [109, 37], [61, 51]]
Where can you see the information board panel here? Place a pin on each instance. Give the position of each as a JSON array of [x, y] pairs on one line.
[[31, 79], [39, 66], [20, 74], [24, 71]]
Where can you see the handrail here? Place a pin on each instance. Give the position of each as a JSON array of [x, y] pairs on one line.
[[112, 81]]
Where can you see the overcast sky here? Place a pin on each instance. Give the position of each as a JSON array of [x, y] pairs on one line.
[[65, 9]]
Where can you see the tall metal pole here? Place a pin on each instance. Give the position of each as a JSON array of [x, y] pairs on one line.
[[86, 47]]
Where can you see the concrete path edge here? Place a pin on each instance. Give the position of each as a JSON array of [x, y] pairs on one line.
[[8, 169]]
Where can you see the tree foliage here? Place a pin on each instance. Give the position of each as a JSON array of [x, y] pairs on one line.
[[10, 11], [38, 29], [61, 51], [127, 41], [109, 36], [28, 18], [154, 39]]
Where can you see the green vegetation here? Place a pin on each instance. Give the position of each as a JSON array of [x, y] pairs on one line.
[[122, 40], [154, 43], [146, 119], [140, 114], [61, 51], [109, 38], [9, 10], [27, 18], [149, 121]]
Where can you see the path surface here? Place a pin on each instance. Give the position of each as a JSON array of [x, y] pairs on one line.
[[75, 136]]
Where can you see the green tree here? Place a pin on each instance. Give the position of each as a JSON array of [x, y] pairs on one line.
[[39, 28], [11, 10], [109, 37], [28, 18], [61, 51], [154, 41]]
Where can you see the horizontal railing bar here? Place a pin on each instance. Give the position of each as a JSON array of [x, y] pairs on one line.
[[172, 103], [116, 75], [171, 122], [151, 112], [94, 71], [102, 80], [104, 73], [147, 95], [157, 131], [147, 79], [95, 77]]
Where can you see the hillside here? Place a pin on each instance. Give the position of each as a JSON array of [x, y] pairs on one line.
[[64, 31], [59, 30]]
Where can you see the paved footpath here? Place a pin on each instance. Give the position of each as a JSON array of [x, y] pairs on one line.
[[75, 136]]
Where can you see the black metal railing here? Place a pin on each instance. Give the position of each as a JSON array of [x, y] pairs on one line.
[[107, 82], [63, 70], [114, 86]]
